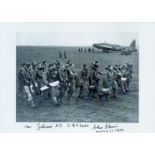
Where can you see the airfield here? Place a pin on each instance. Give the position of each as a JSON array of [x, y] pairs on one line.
[[124, 109]]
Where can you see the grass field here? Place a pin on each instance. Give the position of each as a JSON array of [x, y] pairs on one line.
[[124, 109]]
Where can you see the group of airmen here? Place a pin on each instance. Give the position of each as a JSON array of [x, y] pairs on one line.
[[62, 54], [61, 80], [81, 50], [85, 50]]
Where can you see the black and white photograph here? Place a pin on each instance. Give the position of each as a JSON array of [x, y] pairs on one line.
[[77, 77]]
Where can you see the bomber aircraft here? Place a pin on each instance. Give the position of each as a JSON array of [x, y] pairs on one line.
[[125, 50]]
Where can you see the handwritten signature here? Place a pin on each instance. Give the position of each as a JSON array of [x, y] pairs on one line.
[[96, 127], [107, 128]]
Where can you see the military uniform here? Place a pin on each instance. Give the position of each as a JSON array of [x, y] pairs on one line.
[[106, 89], [39, 77], [34, 71], [118, 75], [52, 76], [65, 55], [123, 84], [25, 78], [62, 83], [70, 73], [129, 75], [93, 82], [60, 55], [113, 77], [83, 78]]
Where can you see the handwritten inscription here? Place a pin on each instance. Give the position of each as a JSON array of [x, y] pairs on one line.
[[43, 126], [96, 127], [77, 125], [28, 126], [107, 128]]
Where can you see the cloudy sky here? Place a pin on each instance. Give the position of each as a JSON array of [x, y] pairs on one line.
[[74, 39]]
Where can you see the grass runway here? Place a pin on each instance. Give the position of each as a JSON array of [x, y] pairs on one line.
[[125, 109]]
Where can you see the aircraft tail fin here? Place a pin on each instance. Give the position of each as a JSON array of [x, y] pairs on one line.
[[133, 44]]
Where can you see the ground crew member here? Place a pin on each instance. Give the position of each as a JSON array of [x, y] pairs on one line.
[[62, 83], [65, 55], [34, 71], [45, 66], [25, 81], [83, 79], [52, 76], [129, 75], [60, 55], [106, 88], [122, 80], [93, 81], [113, 81], [39, 76], [70, 73]]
